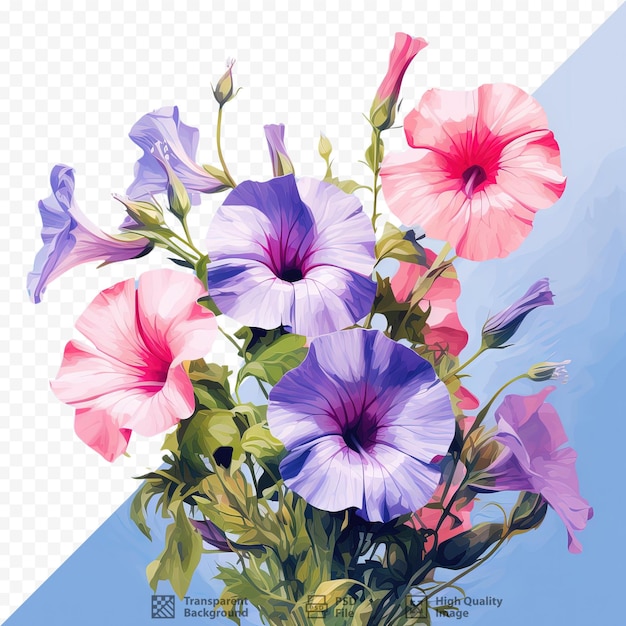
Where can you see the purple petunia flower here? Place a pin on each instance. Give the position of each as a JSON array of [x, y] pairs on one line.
[[281, 163], [362, 419], [161, 134], [501, 327], [69, 238], [531, 432], [298, 254]]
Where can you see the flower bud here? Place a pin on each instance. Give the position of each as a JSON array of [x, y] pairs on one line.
[[501, 327], [383, 110], [140, 213], [223, 91], [547, 370]]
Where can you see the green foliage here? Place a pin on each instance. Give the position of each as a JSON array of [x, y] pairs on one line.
[[260, 443], [270, 362], [394, 244], [325, 149], [181, 555], [404, 321]]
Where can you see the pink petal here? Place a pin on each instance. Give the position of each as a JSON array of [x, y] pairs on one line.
[[175, 326], [86, 374], [96, 428], [109, 322], [150, 410]]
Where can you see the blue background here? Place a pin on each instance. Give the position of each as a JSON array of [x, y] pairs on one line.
[[579, 244]]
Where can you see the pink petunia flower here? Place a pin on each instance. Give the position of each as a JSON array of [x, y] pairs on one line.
[[444, 330], [484, 162], [133, 378]]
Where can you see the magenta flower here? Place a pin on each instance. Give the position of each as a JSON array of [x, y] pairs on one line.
[[161, 134], [362, 419], [70, 238], [383, 111], [133, 378], [484, 162], [281, 163], [297, 254], [501, 327], [531, 433]]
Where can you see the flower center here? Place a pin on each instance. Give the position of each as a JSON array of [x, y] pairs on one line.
[[473, 177], [291, 274], [351, 438]]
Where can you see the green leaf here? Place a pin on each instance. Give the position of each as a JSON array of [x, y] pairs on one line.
[[333, 590], [180, 557], [139, 504], [403, 321], [394, 245], [271, 363], [210, 385], [201, 270], [260, 443], [208, 303]]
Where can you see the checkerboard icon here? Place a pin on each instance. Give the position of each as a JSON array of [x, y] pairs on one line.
[[163, 607], [416, 605]]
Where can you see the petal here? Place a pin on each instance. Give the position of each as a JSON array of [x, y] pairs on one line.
[[251, 293], [314, 472], [559, 486], [395, 483], [110, 323], [149, 413], [96, 428], [86, 374], [344, 234], [330, 298], [174, 325]]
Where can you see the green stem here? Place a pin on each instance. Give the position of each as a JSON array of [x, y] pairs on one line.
[[219, 148], [453, 372], [263, 391], [376, 170], [188, 241], [483, 412], [229, 338], [172, 247]]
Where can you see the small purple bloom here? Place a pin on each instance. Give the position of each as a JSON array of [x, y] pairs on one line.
[[531, 433], [297, 254], [501, 327], [161, 134], [211, 534], [69, 238], [362, 419], [281, 163]]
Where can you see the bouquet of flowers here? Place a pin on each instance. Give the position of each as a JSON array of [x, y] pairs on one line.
[[358, 473]]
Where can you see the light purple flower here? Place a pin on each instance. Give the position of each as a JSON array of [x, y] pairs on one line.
[[297, 254], [161, 134], [281, 163], [501, 327], [531, 432], [362, 419], [69, 238]]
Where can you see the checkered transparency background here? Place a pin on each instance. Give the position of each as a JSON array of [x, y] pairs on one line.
[[74, 80]]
